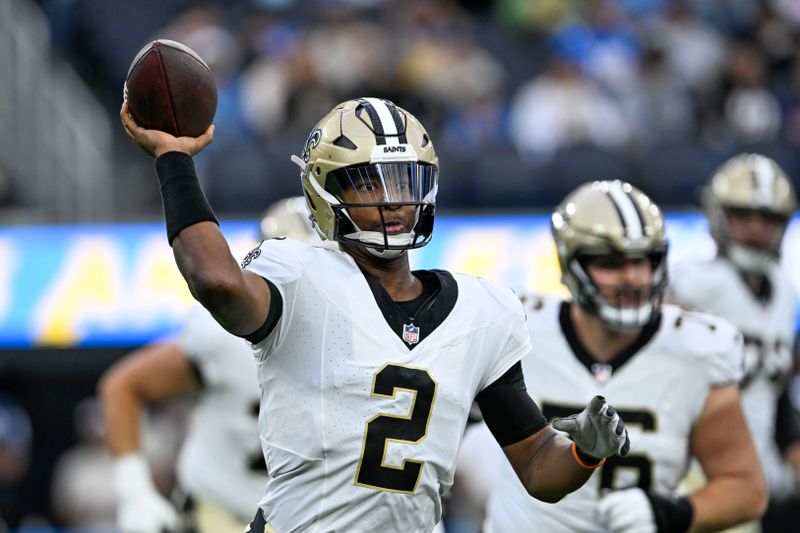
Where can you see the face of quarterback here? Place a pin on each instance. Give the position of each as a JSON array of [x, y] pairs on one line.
[[754, 229], [621, 281], [396, 219]]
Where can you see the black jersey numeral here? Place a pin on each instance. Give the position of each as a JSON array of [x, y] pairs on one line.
[[638, 462], [256, 461], [381, 429]]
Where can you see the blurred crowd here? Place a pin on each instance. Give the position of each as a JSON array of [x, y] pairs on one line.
[[525, 99]]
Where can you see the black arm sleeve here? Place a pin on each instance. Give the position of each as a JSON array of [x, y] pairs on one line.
[[508, 411], [275, 312], [787, 424]]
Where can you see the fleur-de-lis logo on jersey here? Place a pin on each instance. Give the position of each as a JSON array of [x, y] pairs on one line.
[[311, 142], [252, 254]]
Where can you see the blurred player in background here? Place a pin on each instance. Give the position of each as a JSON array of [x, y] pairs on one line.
[[748, 203], [221, 468], [367, 370], [16, 447], [671, 374]]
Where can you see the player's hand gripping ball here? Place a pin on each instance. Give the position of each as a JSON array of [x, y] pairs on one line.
[[170, 88]]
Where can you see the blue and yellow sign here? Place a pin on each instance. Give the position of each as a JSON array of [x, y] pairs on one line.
[[93, 285], [113, 285]]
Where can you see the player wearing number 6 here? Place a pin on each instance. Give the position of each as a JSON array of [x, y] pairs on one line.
[[671, 375], [367, 369]]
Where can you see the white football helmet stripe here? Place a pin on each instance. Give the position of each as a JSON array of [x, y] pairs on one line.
[[387, 120], [764, 174], [627, 209]]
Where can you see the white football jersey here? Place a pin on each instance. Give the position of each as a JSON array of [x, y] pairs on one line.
[[361, 429], [221, 460], [659, 390], [768, 328]]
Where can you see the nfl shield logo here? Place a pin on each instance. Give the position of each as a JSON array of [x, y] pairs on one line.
[[410, 333], [602, 372]]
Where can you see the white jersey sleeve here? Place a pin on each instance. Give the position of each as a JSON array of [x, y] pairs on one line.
[[281, 262], [515, 341], [220, 461]]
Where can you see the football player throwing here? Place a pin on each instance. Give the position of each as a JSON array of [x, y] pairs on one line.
[[367, 369]]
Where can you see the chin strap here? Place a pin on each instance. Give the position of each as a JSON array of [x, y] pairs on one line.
[[625, 319], [385, 254], [748, 258], [377, 238], [374, 237], [620, 319]]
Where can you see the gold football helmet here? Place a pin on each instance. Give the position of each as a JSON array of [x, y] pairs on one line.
[[603, 218], [750, 182], [382, 153]]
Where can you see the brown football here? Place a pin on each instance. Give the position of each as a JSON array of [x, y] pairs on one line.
[[170, 88]]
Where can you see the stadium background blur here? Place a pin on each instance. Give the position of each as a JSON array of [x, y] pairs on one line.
[[524, 99]]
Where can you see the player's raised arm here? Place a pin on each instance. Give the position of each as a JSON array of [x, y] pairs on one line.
[[238, 299]]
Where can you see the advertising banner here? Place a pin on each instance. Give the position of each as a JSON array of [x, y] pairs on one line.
[[112, 285]]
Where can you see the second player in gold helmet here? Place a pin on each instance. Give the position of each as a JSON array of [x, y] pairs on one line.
[[748, 204], [610, 223], [368, 152]]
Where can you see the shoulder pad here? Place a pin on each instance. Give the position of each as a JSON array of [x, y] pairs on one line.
[[534, 302], [702, 336]]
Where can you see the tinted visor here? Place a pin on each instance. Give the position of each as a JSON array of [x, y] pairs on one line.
[[383, 183]]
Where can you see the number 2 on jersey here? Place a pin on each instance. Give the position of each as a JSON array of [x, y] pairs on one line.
[[381, 429]]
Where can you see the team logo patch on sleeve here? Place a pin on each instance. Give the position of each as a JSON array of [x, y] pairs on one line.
[[410, 333], [252, 254]]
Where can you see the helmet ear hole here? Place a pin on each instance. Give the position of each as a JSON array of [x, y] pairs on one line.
[[425, 226]]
